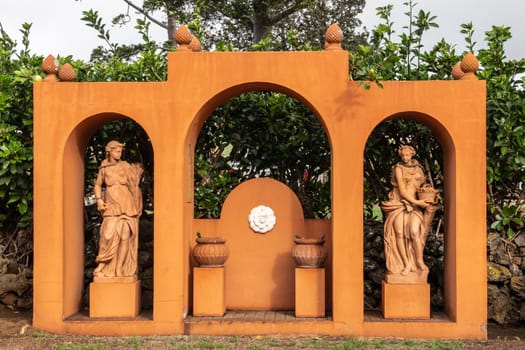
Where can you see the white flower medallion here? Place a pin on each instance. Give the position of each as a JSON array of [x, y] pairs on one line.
[[261, 219]]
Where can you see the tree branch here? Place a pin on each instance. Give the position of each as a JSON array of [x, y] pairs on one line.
[[243, 16], [299, 5], [148, 16]]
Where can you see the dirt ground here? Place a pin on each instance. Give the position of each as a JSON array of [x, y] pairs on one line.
[[16, 332]]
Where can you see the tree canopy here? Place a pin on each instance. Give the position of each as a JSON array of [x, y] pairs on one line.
[[240, 23]]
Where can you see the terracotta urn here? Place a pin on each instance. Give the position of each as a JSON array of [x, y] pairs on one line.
[[309, 252], [211, 251]]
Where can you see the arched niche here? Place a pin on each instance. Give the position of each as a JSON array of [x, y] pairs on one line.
[[191, 140], [262, 134], [445, 141], [226, 94], [73, 201]]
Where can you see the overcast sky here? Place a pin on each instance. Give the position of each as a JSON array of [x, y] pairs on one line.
[[58, 29]]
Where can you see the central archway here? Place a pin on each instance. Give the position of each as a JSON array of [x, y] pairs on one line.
[[273, 260]]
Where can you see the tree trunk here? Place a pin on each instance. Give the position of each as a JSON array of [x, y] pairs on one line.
[[261, 20], [171, 28]]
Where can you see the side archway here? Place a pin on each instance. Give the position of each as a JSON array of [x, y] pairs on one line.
[[436, 153], [74, 160]]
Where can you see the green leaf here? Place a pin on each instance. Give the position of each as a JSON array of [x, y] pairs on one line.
[[22, 207], [509, 210]]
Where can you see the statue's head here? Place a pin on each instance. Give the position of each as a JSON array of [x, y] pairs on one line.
[[111, 145], [405, 148], [406, 153]]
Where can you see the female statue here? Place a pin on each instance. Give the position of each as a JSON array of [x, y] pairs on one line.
[[408, 218], [120, 207]]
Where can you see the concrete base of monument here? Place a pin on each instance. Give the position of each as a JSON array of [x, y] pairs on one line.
[[114, 299], [208, 291], [309, 292], [406, 301]]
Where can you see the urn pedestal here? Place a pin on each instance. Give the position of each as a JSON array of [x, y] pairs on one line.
[[208, 291], [406, 301], [309, 292], [117, 297]]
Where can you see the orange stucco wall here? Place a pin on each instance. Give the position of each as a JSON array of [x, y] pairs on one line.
[[172, 112], [260, 269]]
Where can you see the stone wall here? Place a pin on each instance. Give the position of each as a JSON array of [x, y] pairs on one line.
[[16, 274], [505, 273]]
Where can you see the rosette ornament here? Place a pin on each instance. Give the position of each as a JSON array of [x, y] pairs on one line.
[[262, 219]]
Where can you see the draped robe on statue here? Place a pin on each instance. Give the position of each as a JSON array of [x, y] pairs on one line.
[[396, 209], [123, 200]]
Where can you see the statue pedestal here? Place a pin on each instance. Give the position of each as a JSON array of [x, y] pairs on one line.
[[117, 297], [410, 301], [208, 291], [309, 292]]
